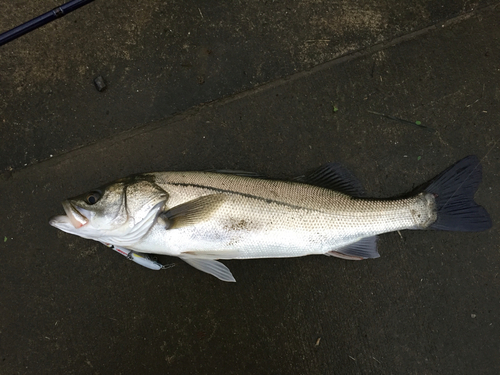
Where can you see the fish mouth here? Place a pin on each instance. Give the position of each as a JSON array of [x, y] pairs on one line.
[[75, 214]]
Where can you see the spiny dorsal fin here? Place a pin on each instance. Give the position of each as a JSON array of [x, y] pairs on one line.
[[336, 177], [192, 212]]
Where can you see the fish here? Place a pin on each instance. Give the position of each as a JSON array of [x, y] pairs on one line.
[[205, 217]]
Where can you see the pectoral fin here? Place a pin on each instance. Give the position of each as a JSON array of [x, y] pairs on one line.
[[210, 266], [192, 212]]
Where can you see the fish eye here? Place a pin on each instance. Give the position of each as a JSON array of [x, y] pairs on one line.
[[93, 197]]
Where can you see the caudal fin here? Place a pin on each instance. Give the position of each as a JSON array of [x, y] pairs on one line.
[[454, 190]]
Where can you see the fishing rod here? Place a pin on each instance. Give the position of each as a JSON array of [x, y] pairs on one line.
[[39, 21]]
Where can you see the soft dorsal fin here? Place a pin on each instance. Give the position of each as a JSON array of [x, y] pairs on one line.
[[192, 212], [336, 177]]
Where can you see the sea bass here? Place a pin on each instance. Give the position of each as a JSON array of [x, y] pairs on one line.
[[202, 217]]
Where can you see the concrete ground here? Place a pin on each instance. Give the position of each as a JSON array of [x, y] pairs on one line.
[[271, 87]]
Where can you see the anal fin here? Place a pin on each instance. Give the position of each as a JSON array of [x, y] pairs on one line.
[[363, 249]]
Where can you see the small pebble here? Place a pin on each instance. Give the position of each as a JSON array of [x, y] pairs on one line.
[[99, 83]]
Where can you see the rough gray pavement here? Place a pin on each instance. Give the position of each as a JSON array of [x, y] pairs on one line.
[[429, 305], [159, 58]]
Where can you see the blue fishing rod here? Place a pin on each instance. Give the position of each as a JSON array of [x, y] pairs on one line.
[[39, 21]]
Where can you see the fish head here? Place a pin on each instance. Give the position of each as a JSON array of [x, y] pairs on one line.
[[119, 213]]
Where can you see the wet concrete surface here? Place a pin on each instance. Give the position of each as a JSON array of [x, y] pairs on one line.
[[429, 305]]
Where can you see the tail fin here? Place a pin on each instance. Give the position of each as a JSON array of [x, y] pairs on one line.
[[454, 191]]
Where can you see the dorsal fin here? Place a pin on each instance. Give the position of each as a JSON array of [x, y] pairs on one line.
[[336, 177], [332, 176]]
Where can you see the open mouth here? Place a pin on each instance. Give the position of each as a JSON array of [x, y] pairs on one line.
[[75, 215]]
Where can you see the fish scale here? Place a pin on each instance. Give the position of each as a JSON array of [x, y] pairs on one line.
[[284, 219]]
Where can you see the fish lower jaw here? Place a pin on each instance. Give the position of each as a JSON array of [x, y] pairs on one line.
[[60, 221], [75, 215]]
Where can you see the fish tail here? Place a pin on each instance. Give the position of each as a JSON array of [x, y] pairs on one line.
[[454, 191]]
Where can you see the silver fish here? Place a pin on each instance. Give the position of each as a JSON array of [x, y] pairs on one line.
[[201, 217]]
